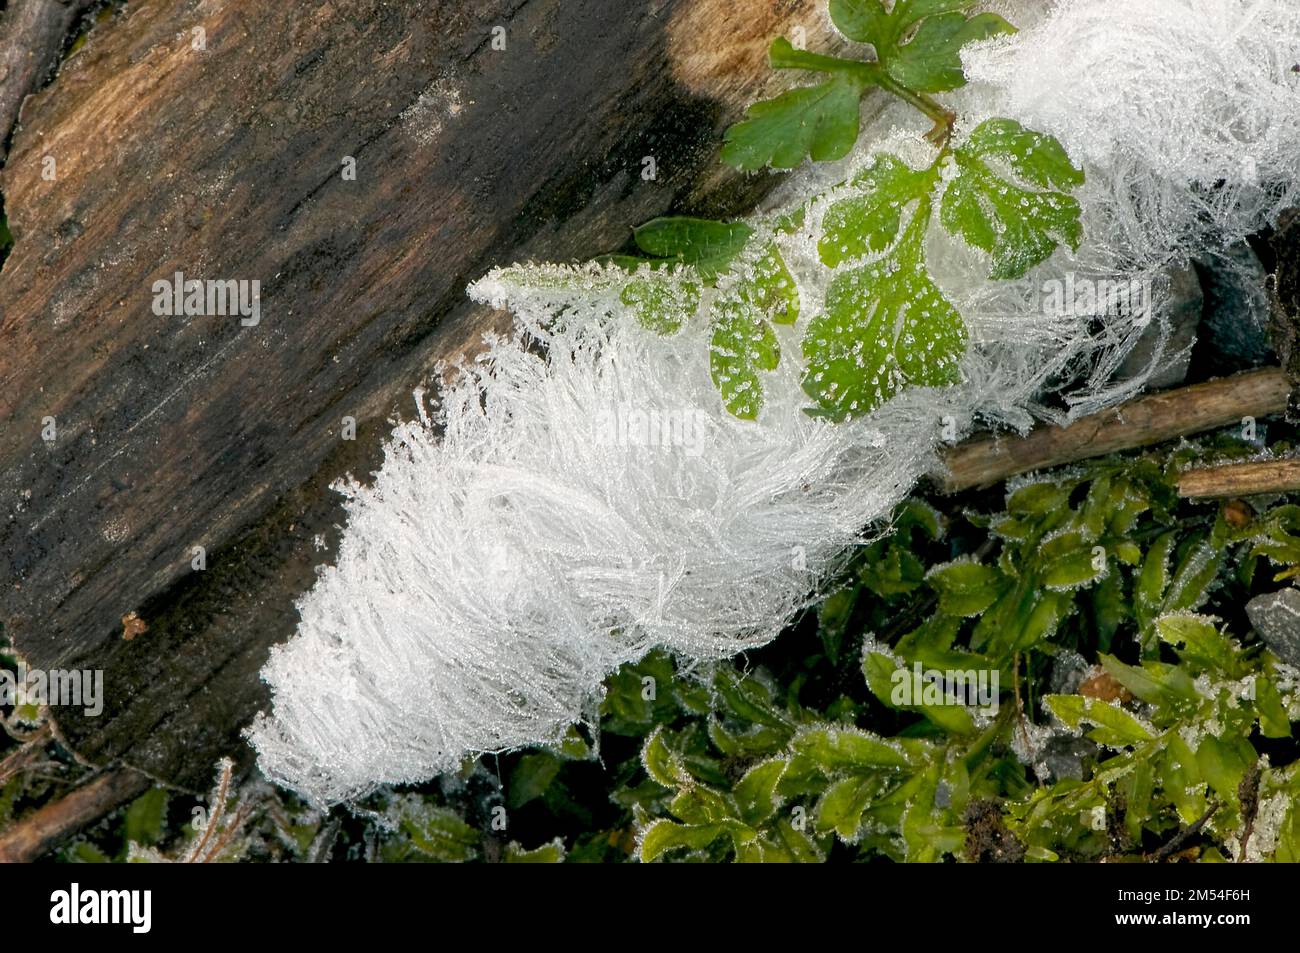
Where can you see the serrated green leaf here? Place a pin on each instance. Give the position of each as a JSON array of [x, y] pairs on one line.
[[924, 58], [1153, 580], [1068, 562], [885, 326], [1038, 499], [885, 682], [660, 302], [1199, 643], [930, 62], [438, 832], [743, 344], [771, 288], [868, 223], [1018, 226], [820, 121], [848, 749]]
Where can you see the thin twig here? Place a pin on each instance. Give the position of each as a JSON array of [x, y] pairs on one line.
[[1177, 841]]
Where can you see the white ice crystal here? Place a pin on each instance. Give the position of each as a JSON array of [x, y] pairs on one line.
[[583, 496]]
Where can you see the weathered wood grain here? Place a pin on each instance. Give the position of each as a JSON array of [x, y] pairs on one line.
[[1241, 479], [1142, 422], [225, 163]]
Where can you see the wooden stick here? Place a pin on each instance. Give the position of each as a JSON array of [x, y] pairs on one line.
[[1147, 420], [1241, 479], [36, 833]]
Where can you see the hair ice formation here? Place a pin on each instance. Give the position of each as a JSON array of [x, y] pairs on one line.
[[513, 553]]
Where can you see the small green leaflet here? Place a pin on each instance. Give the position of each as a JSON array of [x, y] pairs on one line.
[[1018, 226], [821, 121], [707, 246], [925, 57], [661, 303], [743, 341], [885, 326], [868, 223]]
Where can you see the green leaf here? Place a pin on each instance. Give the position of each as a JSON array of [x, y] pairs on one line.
[[1287, 850], [1273, 719], [1154, 682], [706, 245], [868, 223], [1038, 499], [930, 62], [742, 345], [1019, 226], [771, 288], [531, 777], [848, 749], [965, 588], [662, 763], [885, 326], [1068, 562], [820, 121], [1199, 643], [1114, 726], [145, 817], [880, 672], [1223, 764], [841, 807], [1152, 580], [755, 793], [665, 835], [438, 832], [552, 853], [924, 58], [1181, 779], [661, 303]]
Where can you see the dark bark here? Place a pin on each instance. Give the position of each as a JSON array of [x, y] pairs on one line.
[[225, 164]]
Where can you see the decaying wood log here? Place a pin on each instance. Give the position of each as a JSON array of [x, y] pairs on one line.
[[1143, 422], [32, 34], [215, 138]]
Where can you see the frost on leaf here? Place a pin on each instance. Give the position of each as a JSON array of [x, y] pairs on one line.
[[660, 302], [885, 326], [1019, 225], [868, 223], [918, 42], [743, 343]]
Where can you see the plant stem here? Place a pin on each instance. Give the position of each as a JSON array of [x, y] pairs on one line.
[[943, 118]]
